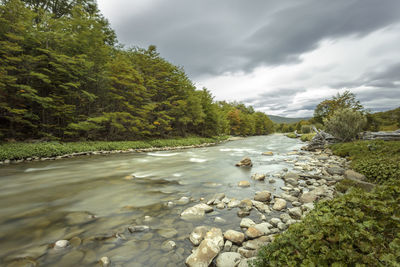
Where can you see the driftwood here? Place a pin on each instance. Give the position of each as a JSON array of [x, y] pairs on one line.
[[387, 136]]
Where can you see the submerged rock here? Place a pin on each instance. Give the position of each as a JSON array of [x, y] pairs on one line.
[[138, 228], [258, 177], [198, 234]]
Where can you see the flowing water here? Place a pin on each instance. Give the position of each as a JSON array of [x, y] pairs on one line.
[[88, 200]]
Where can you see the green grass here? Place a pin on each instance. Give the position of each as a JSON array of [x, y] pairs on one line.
[[291, 135], [357, 228], [307, 137], [18, 150]]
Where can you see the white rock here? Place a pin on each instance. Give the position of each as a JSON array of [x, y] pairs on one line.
[[60, 244], [228, 259], [246, 223]]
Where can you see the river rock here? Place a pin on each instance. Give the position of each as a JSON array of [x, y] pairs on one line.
[[279, 204], [263, 227], [335, 170], [220, 206], [105, 261], [234, 236], [263, 196], [281, 226], [353, 175], [204, 254], [246, 223], [244, 184], [289, 197], [275, 221], [196, 212], [215, 235], [256, 243], [233, 203], [219, 220], [253, 232], [258, 177], [183, 201], [268, 153], [291, 175], [308, 197], [198, 234], [168, 232], [285, 217], [295, 213], [246, 204], [245, 162], [227, 246], [292, 181], [247, 253], [61, 244], [228, 259], [243, 213], [247, 262], [138, 228], [168, 245], [261, 207]]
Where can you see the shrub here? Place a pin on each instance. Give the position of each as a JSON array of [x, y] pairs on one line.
[[345, 124], [305, 129]]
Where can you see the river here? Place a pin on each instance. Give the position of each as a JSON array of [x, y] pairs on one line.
[[90, 199]]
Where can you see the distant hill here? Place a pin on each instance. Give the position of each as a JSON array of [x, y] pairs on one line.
[[279, 119]]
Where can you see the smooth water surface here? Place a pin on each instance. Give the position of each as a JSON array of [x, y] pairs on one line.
[[91, 198]]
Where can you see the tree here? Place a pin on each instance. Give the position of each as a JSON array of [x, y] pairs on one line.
[[326, 108]]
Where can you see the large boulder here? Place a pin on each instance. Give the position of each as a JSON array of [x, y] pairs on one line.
[[215, 234], [245, 162], [335, 170], [228, 259]]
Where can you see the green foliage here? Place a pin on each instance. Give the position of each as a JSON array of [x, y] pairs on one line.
[[378, 160], [291, 135], [355, 229], [307, 137], [326, 108], [384, 121], [17, 150], [345, 124], [63, 78], [305, 129]]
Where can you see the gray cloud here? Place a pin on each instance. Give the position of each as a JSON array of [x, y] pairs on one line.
[[212, 37]]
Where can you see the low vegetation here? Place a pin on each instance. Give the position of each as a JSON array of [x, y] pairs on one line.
[[307, 137], [357, 228], [51, 149], [378, 160]]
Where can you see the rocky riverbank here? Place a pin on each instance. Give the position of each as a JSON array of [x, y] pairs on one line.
[[313, 179]]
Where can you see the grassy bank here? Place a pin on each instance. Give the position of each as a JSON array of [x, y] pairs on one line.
[[354, 229], [15, 151]]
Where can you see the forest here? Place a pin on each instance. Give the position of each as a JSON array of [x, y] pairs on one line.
[[64, 76]]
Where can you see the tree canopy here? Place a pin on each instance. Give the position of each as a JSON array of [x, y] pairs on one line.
[[63, 76]]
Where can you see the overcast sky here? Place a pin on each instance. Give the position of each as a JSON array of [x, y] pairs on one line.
[[282, 57]]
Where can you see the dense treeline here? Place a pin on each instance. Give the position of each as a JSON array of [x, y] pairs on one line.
[[63, 75]]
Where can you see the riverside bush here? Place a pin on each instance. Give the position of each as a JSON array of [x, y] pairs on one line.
[[307, 137], [355, 229], [305, 129], [291, 135], [345, 124], [51, 149]]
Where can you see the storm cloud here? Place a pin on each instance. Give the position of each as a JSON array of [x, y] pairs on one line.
[[320, 45]]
